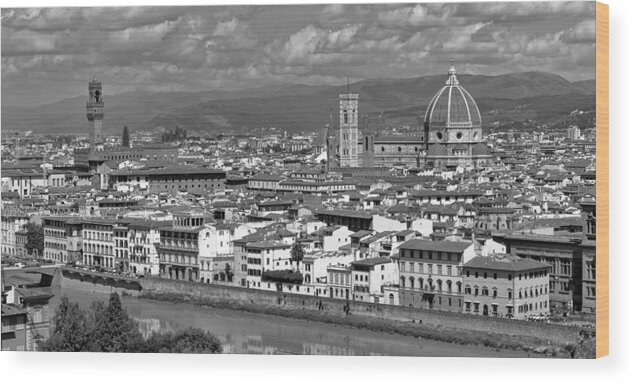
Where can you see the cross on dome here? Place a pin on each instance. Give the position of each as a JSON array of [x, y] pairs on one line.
[[453, 79]]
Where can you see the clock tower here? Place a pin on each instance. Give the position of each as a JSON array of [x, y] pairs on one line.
[[94, 112]]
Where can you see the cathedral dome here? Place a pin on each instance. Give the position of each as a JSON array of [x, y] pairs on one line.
[[452, 106]]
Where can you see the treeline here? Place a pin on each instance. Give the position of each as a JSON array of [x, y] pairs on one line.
[[109, 328], [175, 134]]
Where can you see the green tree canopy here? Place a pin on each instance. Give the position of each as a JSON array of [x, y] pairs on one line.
[[71, 329], [109, 328], [34, 238], [297, 253]]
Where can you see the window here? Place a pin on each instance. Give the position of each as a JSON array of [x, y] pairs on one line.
[[590, 270]]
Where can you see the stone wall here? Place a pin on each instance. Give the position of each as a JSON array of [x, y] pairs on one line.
[[92, 282], [550, 333]]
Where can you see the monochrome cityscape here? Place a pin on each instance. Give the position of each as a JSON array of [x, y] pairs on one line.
[[387, 179]]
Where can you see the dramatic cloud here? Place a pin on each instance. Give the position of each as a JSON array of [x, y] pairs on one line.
[[50, 53]]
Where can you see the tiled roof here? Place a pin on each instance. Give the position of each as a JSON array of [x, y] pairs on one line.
[[505, 263], [436, 246]]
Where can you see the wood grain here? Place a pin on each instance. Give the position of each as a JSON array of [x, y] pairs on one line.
[[603, 140]]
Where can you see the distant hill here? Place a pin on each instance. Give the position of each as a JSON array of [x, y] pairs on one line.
[[296, 108]]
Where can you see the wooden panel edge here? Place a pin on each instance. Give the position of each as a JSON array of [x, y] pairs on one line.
[[602, 172]]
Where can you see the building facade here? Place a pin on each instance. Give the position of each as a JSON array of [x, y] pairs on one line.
[[12, 223], [431, 273], [506, 286]]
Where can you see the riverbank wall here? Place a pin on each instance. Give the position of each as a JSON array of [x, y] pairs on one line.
[[436, 324], [95, 282], [553, 339]]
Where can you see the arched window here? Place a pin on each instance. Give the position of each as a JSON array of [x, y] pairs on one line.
[[421, 283], [439, 282], [403, 281], [449, 286], [411, 282]]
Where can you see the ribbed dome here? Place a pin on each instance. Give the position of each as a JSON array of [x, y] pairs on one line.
[[452, 106]]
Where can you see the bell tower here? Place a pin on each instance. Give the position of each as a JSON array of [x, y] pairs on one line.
[[94, 112], [348, 129]]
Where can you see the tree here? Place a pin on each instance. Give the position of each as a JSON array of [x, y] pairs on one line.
[[297, 253], [114, 330], [109, 328], [70, 329], [125, 137], [34, 238], [228, 272]]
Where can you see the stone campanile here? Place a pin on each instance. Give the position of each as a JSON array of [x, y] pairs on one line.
[[348, 129], [94, 112]]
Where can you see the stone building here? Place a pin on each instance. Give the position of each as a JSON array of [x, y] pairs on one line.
[[450, 136], [452, 128], [94, 112], [348, 129], [430, 273], [503, 285]]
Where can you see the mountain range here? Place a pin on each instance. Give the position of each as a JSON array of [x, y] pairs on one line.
[[305, 108]]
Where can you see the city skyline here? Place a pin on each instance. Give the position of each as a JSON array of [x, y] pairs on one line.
[[48, 52]]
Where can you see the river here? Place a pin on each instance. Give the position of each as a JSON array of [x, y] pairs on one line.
[[251, 333]]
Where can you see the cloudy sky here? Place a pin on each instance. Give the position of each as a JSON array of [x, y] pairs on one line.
[[50, 53]]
